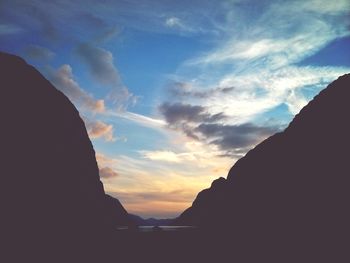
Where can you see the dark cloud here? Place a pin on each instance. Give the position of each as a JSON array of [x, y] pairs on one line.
[[184, 90], [195, 122], [107, 172], [100, 64], [39, 53], [178, 113], [230, 137]]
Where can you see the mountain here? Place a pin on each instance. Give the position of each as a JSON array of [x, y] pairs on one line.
[[53, 203], [138, 220], [289, 196], [119, 216]]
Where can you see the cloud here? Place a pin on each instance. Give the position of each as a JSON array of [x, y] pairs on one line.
[[185, 117], [235, 137], [106, 161], [177, 23], [261, 65], [177, 113], [183, 89], [295, 102], [39, 52], [196, 123], [254, 68], [63, 80], [155, 204], [168, 156], [98, 129], [173, 196], [100, 63], [101, 67], [107, 172], [162, 187], [142, 120], [107, 34], [173, 22]]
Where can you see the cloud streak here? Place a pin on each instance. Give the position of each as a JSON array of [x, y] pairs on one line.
[[107, 172], [168, 156]]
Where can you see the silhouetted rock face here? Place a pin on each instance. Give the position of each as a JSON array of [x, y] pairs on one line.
[[207, 204], [54, 200], [118, 215], [292, 190]]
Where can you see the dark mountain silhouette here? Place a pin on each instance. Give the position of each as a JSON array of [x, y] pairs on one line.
[[118, 215], [289, 196], [138, 220], [206, 206], [55, 207]]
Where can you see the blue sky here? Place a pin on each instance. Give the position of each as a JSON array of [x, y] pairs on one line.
[[174, 92]]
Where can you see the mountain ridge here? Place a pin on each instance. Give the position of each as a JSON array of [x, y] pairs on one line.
[[292, 185]]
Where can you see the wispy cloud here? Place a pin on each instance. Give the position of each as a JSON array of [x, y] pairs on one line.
[[98, 129], [140, 119], [182, 90], [176, 23], [168, 156], [107, 172], [63, 79], [101, 67], [39, 53]]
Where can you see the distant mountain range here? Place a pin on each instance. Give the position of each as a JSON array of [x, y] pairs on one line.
[[138, 220], [120, 217], [291, 192]]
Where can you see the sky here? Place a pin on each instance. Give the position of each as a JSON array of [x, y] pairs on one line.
[[172, 93]]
